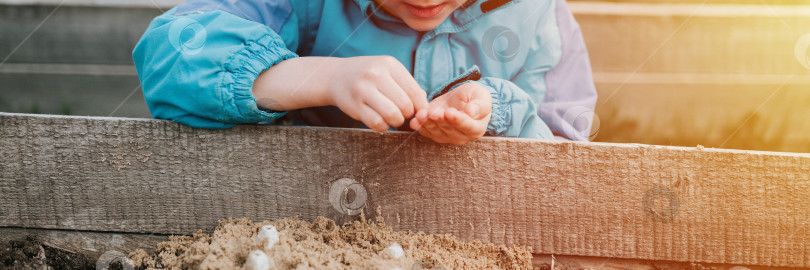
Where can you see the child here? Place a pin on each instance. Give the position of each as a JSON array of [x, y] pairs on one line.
[[454, 70]]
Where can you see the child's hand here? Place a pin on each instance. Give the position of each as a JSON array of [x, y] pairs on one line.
[[457, 117], [376, 90]]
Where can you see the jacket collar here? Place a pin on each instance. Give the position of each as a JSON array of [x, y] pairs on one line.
[[470, 11]]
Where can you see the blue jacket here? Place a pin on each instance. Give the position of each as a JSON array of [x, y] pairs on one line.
[[197, 62]]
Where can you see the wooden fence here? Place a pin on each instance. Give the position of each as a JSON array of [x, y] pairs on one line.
[[631, 201]]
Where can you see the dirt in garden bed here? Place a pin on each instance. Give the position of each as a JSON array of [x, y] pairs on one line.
[[323, 244], [317, 245], [28, 252]]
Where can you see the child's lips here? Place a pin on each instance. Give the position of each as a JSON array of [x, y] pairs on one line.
[[425, 11]]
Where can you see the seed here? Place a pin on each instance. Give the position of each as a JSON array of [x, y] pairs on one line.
[[257, 260], [395, 250], [270, 233]]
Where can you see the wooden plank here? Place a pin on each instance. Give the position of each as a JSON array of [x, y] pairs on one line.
[[720, 75], [91, 244], [100, 248], [590, 199], [544, 261], [708, 9], [708, 2], [729, 116], [648, 38]]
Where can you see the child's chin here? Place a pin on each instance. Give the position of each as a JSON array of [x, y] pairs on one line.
[[423, 26]]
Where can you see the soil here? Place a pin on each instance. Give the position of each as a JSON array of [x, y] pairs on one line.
[[28, 252], [324, 245], [302, 245], [318, 245]]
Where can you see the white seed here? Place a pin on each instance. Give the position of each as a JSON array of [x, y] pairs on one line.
[[395, 250], [257, 260], [269, 234]]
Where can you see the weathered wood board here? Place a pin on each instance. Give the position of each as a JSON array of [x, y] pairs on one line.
[[710, 72], [589, 199], [92, 244]]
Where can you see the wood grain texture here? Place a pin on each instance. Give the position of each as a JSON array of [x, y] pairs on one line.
[[91, 244], [589, 199], [684, 74]]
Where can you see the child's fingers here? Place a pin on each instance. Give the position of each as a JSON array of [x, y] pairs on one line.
[[440, 135], [436, 114], [370, 118], [433, 130], [432, 134], [430, 125], [385, 108], [465, 124], [406, 81], [422, 116], [455, 136], [397, 95], [441, 125], [478, 108], [445, 132], [454, 116], [471, 127], [449, 134], [415, 124], [472, 109]]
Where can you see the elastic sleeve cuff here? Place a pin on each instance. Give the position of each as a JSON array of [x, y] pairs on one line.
[[501, 116], [242, 69]]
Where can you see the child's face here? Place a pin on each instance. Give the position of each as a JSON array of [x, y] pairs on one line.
[[421, 15]]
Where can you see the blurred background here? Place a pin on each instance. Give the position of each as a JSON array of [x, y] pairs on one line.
[[725, 74]]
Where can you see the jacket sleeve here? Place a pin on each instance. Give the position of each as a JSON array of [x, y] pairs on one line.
[[197, 62], [567, 107], [513, 111]]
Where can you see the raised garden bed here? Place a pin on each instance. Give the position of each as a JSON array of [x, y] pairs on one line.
[[123, 184]]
